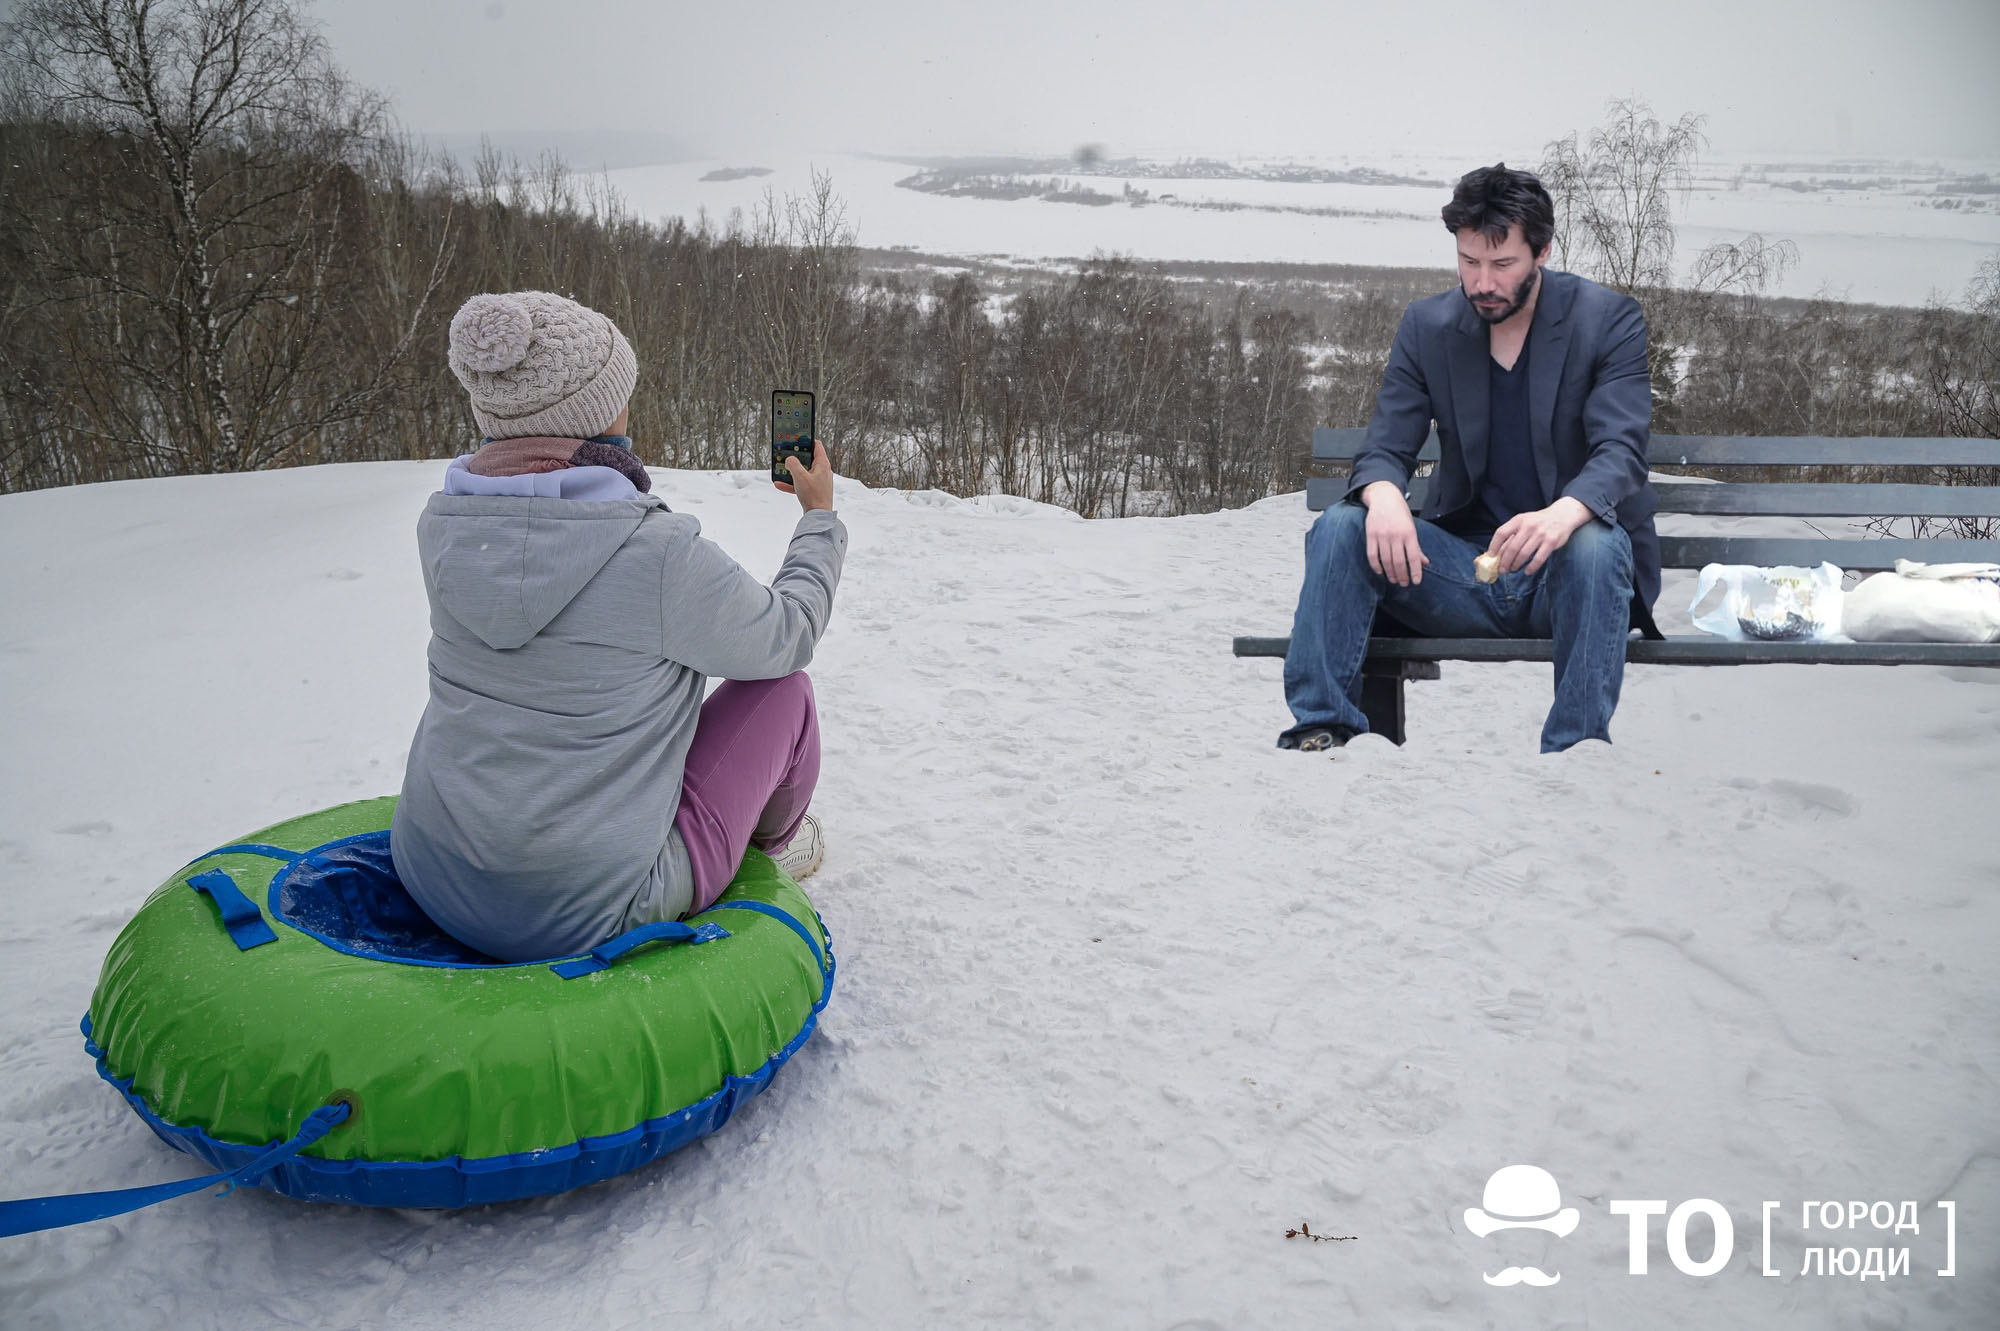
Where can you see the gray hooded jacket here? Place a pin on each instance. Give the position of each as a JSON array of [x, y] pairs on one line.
[[570, 644]]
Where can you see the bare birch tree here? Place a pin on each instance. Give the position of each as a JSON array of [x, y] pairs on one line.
[[219, 263], [1615, 191], [1961, 357]]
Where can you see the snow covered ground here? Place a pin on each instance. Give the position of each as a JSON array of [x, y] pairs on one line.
[[1125, 993], [1883, 245]]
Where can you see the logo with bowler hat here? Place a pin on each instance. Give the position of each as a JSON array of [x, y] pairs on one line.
[[1521, 1197]]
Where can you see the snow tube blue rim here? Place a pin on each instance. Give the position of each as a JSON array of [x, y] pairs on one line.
[[459, 1182], [407, 1174]]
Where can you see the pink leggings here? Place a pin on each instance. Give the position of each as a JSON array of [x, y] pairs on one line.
[[750, 774]]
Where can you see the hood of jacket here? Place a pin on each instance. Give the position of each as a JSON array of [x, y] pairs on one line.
[[505, 566]]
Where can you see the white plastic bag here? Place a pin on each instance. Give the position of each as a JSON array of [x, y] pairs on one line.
[[1927, 603], [1783, 604]]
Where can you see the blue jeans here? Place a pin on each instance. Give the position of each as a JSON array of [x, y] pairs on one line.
[[1581, 598]]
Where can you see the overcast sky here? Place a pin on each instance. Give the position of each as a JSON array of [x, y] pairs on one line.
[[740, 78], [736, 78]]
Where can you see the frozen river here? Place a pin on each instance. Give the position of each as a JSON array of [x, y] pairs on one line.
[[1888, 244]]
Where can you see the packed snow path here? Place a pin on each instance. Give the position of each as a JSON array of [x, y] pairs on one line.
[[1125, 993]]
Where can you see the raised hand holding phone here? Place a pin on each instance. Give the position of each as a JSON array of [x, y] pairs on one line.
[[813, 485], [798, 463]]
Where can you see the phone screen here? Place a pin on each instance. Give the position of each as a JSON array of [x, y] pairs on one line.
[[791, 430]]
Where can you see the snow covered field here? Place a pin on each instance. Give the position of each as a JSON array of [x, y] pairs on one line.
[[1883, 245], [1125, 994]]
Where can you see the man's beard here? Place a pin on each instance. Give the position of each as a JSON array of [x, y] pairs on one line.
[[1515, 300]]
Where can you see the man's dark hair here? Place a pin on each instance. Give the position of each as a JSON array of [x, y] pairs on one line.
[[1490, 199]]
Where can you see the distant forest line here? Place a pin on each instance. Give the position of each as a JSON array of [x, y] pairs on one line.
[[192, 285]]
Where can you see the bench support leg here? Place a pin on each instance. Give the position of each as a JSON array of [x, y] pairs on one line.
[[1382, 693]]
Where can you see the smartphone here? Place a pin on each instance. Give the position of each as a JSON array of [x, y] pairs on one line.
[[791, 431]]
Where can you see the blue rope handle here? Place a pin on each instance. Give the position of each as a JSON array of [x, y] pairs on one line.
[[240, 915], [31, 1214], [666, 931]]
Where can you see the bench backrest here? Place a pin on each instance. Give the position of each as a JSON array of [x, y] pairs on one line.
[[1838, 500]]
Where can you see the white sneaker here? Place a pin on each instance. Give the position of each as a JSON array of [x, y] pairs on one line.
[[801, 856]]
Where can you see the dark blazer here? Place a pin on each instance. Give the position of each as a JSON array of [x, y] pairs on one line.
[[1590, 406]]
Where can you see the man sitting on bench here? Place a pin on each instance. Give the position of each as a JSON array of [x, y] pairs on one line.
[[1538, 385]]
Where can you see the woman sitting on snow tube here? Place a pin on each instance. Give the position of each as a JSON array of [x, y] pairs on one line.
[[567, 782]]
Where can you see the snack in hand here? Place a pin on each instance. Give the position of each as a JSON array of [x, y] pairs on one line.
[[1486, 568]]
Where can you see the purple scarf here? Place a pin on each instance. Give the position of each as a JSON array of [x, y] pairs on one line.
[[539, 453]]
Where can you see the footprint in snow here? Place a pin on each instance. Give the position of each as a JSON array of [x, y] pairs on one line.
[[1806, 801], [1814, 916], [1516, 1012]]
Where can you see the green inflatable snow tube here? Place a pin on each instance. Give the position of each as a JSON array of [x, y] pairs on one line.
[[281, 973]]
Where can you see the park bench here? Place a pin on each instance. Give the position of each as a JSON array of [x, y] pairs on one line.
[[1392, 661]]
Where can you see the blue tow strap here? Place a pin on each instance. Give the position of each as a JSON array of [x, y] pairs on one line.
[[31, 1214]]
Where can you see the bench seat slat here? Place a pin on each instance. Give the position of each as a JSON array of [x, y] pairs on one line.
[[1860, 556], [1340, 445], [1829, 501], [1692, 450], [1692, 649], [1811, 501]]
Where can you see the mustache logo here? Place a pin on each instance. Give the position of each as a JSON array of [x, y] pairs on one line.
[[1522, 1197]]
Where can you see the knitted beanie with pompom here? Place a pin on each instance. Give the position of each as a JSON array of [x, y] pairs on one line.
[[536, 363]]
